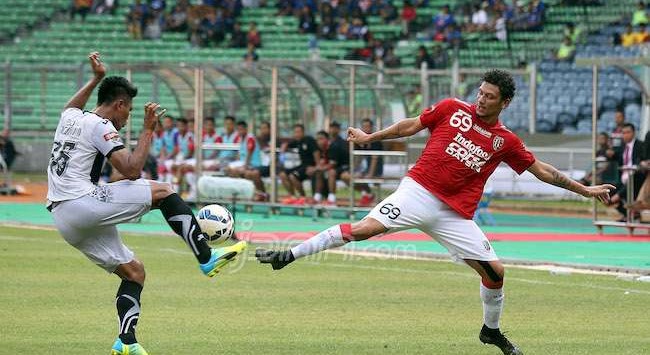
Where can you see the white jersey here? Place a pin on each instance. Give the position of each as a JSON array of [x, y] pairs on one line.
[[81, 142]]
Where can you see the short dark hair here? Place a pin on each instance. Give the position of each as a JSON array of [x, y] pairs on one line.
[[367, 120], [243, 124], [503, 80], [323, 133], [265, 123], [182, 120], [335, 124], [113, 88], [209, 118], [630, 125], [604, 134], [299, 125], [229, 118]]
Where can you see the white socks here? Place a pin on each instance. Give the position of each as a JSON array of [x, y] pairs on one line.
[[331, 198], [492, 306], [327, 239], [318, 197]]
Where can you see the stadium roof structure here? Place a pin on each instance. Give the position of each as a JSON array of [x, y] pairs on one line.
[[309, 92]]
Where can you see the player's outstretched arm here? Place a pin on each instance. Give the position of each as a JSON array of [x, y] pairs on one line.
[[130, 164], [549, 174], [81, 97], [404, 128]]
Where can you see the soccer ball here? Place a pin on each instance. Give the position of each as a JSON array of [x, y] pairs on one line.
[[216, 222]]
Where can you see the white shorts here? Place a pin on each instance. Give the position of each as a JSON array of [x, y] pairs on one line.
[[413, 206], [88, 223]]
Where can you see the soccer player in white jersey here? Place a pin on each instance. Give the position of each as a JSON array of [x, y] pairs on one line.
[[441, 192], [86, 215]]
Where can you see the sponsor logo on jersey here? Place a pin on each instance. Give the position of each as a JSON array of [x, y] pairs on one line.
[[497, 142], [482, 131], [114, 136], [472, 155]]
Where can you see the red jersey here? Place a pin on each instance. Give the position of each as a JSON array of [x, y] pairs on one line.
[[462, 152]]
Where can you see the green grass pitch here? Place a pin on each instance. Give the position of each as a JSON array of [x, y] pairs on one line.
[[54, 301]]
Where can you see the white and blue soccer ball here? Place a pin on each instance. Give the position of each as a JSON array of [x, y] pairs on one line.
[[216, 222]]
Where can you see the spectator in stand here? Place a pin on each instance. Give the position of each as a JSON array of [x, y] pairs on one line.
[[640, 16], [390, 59], [157, 5], [210, 135], [566, 51], [177, 19], [338, 158], [135, 19], [453, 36], [442, 20], [423, 57], [641, 36], [253, 36], [327, 28], [292, 178], [358, 29], [212, 29], [535, 15], [343, 29], [264, 170], [251, 54], [479, 20], [106, 6], [439, 58], [409, 14], [306, 21], [7, 149], [249, 155], [574, 33], [81, 7], [387, 12], [631, 154], [371, 167], [152, 29], [500, 26], [183, 167], [284, 7], [617, 132], [378, 50], [169, 150], [628, 38], [228, 135], [606, 165], [318, 171], [238, 37]]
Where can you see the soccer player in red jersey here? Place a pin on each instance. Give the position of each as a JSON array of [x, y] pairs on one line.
[[441, 192]]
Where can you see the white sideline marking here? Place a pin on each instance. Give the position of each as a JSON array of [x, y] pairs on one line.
[[469, 275]]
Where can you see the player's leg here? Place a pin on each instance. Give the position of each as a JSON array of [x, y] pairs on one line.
[[466, 242], [181, 219], [491, 290], [79, 222], [401, 210], [127, 302], [330, 238]]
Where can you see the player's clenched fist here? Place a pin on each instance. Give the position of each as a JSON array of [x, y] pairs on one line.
[[150, 116], [358, 136]]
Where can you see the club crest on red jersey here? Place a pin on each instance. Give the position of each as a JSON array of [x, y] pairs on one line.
[[497, 142]]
